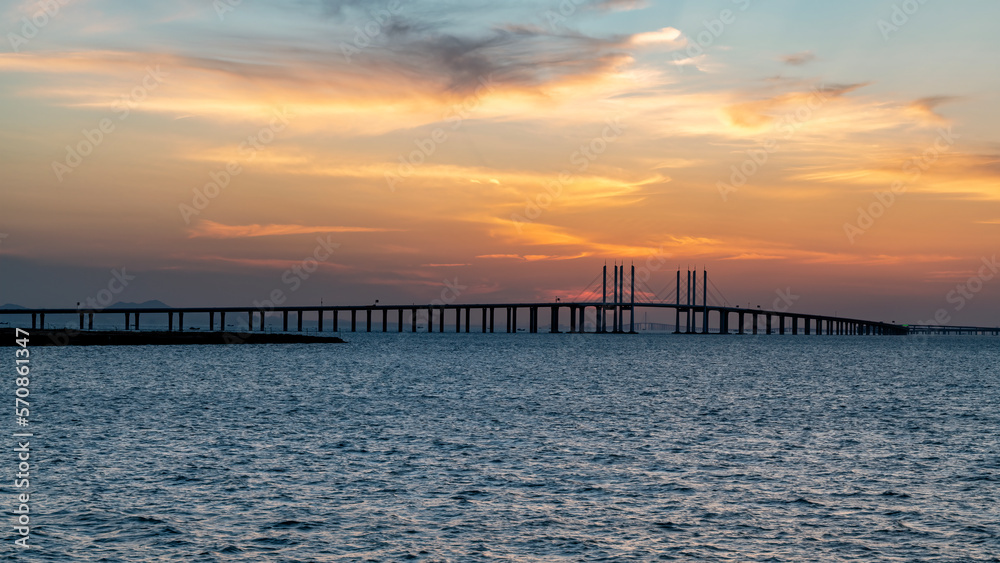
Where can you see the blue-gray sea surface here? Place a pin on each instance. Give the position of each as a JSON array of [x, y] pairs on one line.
[[465, 447]]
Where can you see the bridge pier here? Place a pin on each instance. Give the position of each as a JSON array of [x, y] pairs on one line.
[[399, 321], [441, 319], [336, 320], [492, 318], [385, 320], [319, 321], [468, 315], [458, 319], [180, 321], [755, 323], [90, 321], [767, 321], [413, 320]]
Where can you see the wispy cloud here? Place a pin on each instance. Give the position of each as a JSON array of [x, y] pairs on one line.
[[667, 35], [799, 59], [618, 5], [924, 108], [211, 229], [761, 113]]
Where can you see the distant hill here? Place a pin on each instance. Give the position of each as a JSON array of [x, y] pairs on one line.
[[11, 306], [153, 304]]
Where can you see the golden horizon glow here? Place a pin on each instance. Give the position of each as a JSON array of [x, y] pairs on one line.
[[482, 143]]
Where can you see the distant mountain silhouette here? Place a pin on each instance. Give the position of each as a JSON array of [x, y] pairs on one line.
[[11, 306], [153, 304]]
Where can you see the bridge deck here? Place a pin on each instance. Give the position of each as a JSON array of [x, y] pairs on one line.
[[809, 323]]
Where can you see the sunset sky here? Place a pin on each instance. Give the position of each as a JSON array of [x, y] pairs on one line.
[[508, 147]]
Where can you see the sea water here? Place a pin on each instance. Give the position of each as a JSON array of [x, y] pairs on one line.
[[526, 447]]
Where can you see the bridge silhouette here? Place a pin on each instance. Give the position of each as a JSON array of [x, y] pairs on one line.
[[595, 310]]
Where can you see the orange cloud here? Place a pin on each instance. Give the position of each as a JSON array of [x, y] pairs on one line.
[[211, 229], [667, 35], [923, 108], [761, 113]]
